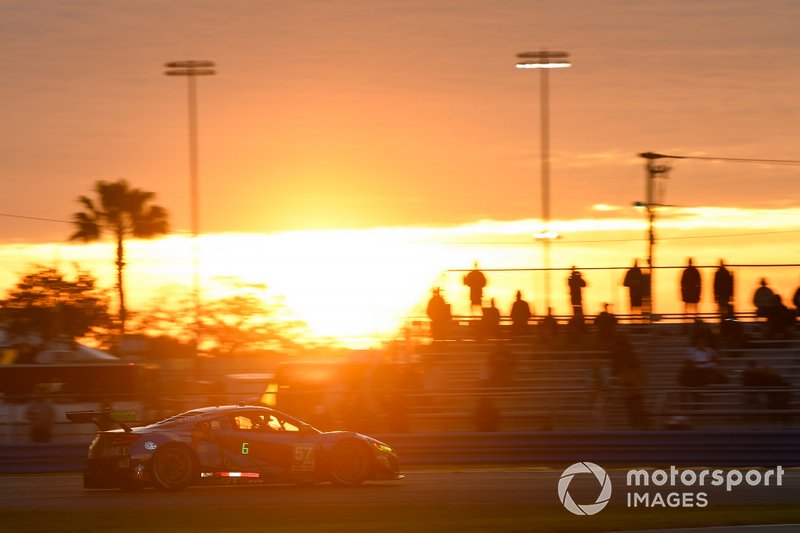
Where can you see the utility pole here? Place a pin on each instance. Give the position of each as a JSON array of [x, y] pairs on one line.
[[655, 189]]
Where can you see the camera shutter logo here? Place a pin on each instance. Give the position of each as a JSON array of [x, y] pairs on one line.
[[584, 468]]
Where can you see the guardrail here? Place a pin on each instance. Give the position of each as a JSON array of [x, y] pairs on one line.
[[653, 448]]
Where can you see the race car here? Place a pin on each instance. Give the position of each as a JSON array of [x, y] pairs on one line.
[[228, 444]]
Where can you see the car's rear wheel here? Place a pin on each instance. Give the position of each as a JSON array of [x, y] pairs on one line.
[[350, 463], [173, 467]]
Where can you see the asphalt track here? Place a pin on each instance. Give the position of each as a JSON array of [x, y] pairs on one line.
[[491, 489]]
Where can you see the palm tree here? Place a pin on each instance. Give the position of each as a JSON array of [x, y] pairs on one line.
[[124, 212]]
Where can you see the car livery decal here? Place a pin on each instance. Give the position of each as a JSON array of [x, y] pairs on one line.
[[234, 474], [303, 457]]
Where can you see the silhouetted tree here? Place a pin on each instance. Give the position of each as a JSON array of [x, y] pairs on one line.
[[46, 304], [249, 319], [245, 321], [124, 212], [170, 313]]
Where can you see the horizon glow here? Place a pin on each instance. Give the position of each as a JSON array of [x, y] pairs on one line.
[[359, 286]]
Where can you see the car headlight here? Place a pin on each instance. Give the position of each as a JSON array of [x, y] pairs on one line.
[[382, 447]]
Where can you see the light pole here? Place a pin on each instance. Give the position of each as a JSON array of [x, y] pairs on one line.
[[544, 60], [191, 69]]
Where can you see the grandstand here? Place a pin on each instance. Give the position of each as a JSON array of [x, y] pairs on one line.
[[427, 386], [552, 386]]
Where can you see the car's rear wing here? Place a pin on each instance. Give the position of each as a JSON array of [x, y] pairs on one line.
[[103, 419]]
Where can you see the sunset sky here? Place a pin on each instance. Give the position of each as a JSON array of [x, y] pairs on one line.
[[359, 114]]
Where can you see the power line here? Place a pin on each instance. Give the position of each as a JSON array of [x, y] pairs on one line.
[[602, 241], [9, 215], [746, 160], [60, 221], [507, 243], [792, 162], [665, 267], [687, 237]]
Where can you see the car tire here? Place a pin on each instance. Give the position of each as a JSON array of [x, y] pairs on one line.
[[173, 467], [350, 463]]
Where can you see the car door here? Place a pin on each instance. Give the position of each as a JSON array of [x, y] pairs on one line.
[[246, 445], [262, 441]]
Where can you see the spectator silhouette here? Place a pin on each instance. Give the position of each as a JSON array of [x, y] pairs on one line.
[[576, 329], [439, 314], [796, 301], [627, 367], [476, 281], [691, 286], [500, 365], [723, 287], [576, 284], [764, 389], [621, 353], [634, 280], [599, 376], [780, 320], [520, 314], [690, 377], [763, 299], [549, 328], [491, 321], [705, 358], [631, 382], [702, 332], [699, 369], [605, 325], [731, 332]]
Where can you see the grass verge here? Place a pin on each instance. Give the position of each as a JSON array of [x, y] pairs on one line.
[[389, 518]]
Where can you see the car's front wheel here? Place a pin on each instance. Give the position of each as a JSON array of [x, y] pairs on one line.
[[173, 467], [350, 462]]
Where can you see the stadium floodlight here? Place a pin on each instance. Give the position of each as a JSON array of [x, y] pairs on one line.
[[544, 60], [191, 69]]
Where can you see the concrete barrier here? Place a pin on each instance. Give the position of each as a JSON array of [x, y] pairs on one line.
[[680, 448], [42, 458], [723, 448]]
